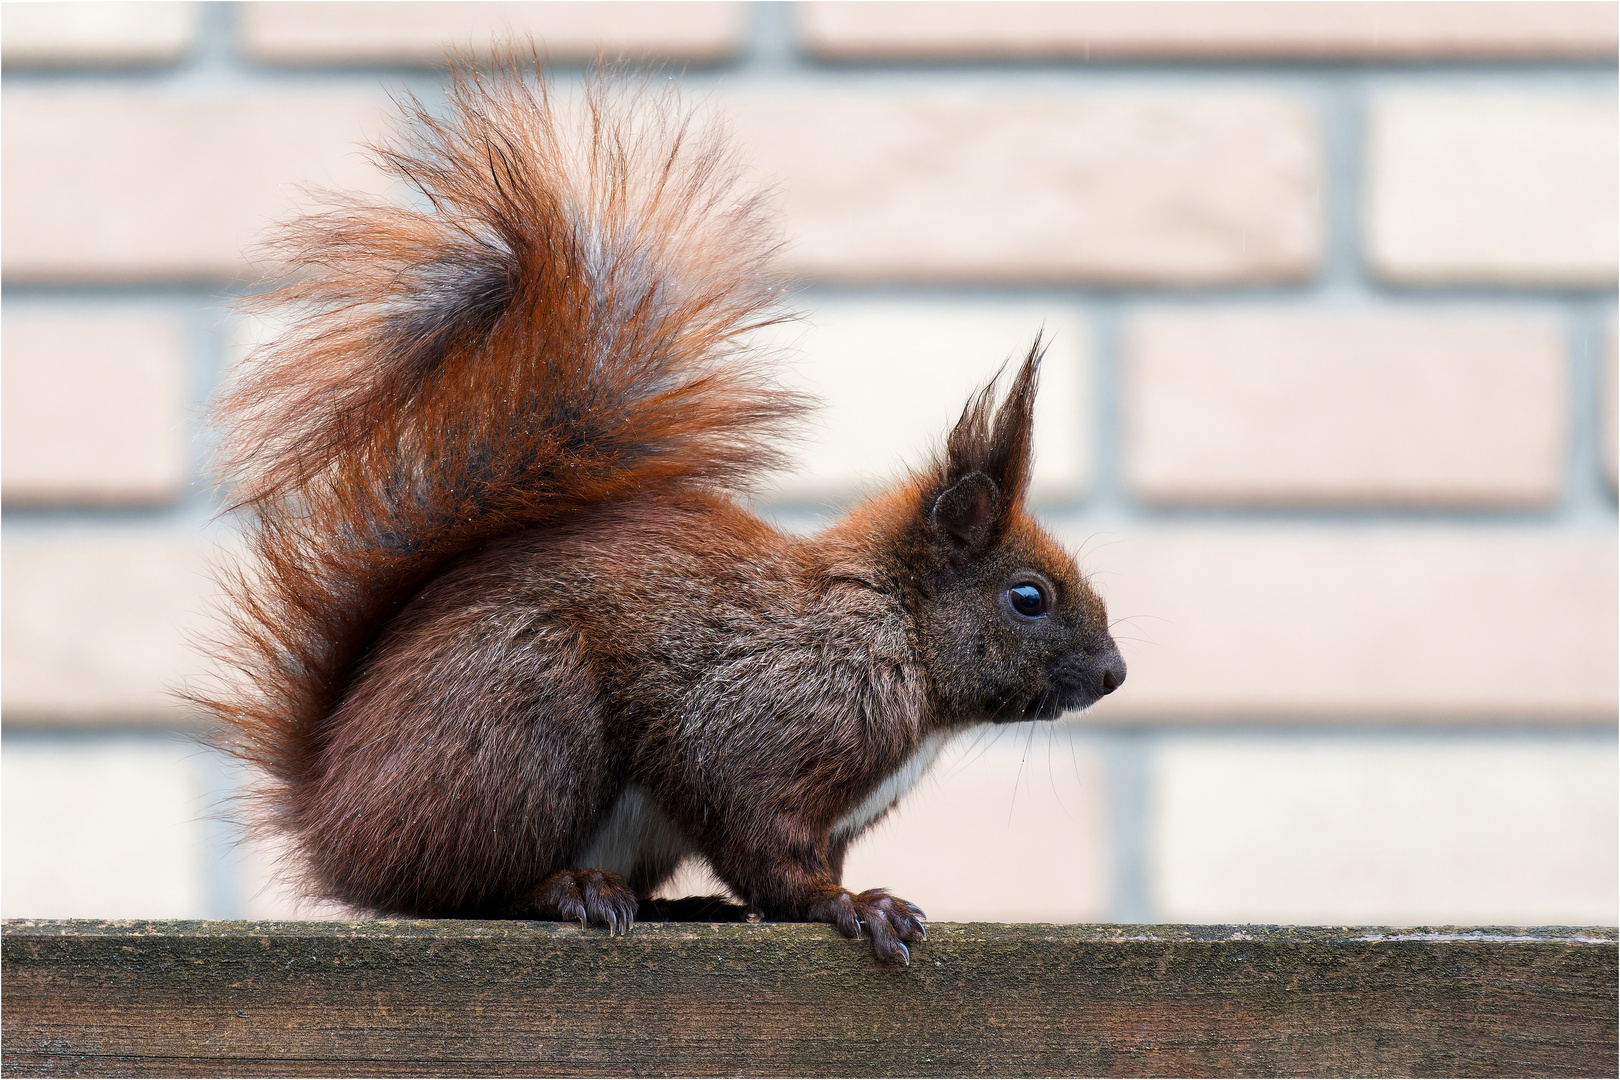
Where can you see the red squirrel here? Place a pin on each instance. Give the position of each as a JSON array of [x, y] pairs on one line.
[[510, 645]]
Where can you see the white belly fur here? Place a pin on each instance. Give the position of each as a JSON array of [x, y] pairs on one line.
[[892, 789], [635, 832]]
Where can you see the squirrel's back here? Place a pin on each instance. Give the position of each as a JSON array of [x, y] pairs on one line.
[[559, 324]]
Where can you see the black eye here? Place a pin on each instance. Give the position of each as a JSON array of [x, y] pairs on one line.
[[1028, 600]]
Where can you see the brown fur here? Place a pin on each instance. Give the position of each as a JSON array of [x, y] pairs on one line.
[[506, 614]]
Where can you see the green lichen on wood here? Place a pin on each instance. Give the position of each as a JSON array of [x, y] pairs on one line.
[[511, 998]]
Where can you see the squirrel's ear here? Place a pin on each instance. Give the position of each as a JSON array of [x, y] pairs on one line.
[[989, 452], [965, 515], [1012, 440]]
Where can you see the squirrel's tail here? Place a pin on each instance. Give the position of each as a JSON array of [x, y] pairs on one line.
[[559, 323]]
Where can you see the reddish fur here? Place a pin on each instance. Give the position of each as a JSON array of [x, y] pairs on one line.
[[501, 580]]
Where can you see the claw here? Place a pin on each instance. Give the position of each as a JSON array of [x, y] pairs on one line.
[[887, 920], [591, 896]]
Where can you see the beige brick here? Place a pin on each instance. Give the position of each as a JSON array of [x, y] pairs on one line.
[[1023, 803], [1371, 622], [138, 184], [143, 184], [1488, 186], [95, 406], [1395, 830], [1250, 405], [895, 375], [947, 185], [423, 33], [1392, 31], [90, 32], [103, 828], [97, 624]]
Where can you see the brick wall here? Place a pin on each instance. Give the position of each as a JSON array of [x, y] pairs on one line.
[[1330, 414]]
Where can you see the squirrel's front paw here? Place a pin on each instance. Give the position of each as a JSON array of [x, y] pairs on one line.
[[889, 920], [591, 896]]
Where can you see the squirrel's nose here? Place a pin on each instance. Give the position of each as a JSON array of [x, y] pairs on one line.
[[1110, 669]]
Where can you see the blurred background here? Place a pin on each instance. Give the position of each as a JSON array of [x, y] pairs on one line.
[[1329, 415]]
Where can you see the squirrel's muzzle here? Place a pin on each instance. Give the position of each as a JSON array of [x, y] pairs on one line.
[[1108, 671], [1084, 677]]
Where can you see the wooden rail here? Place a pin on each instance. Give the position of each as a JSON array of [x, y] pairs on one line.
[[89, 998]]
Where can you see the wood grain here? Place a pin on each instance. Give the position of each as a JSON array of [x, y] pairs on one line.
[[92, 998]]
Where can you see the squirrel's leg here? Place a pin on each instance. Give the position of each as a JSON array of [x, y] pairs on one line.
[[591, 896], [794, 878], [889, 920]]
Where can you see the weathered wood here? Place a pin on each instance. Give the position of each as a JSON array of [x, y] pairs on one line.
[[506, 998]]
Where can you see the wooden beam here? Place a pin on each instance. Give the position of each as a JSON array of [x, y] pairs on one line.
[[90, 998]]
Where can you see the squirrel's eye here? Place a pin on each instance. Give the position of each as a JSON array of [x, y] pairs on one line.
[[1028, 600]]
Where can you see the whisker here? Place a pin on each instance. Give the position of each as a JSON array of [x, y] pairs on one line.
[[1019, 779]]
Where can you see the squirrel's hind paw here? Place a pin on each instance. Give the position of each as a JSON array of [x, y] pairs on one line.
[[591, 896], [888, 920]]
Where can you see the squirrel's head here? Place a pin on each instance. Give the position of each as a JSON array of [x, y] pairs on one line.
[[1009, 627]]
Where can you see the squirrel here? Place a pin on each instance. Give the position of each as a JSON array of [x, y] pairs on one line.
[[511, 645]]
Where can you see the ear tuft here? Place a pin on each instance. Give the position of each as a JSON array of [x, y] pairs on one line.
[[965, 515], [994, 444], [1012, 438]]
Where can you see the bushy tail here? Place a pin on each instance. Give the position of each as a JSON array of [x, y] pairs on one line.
[[559, 324]]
